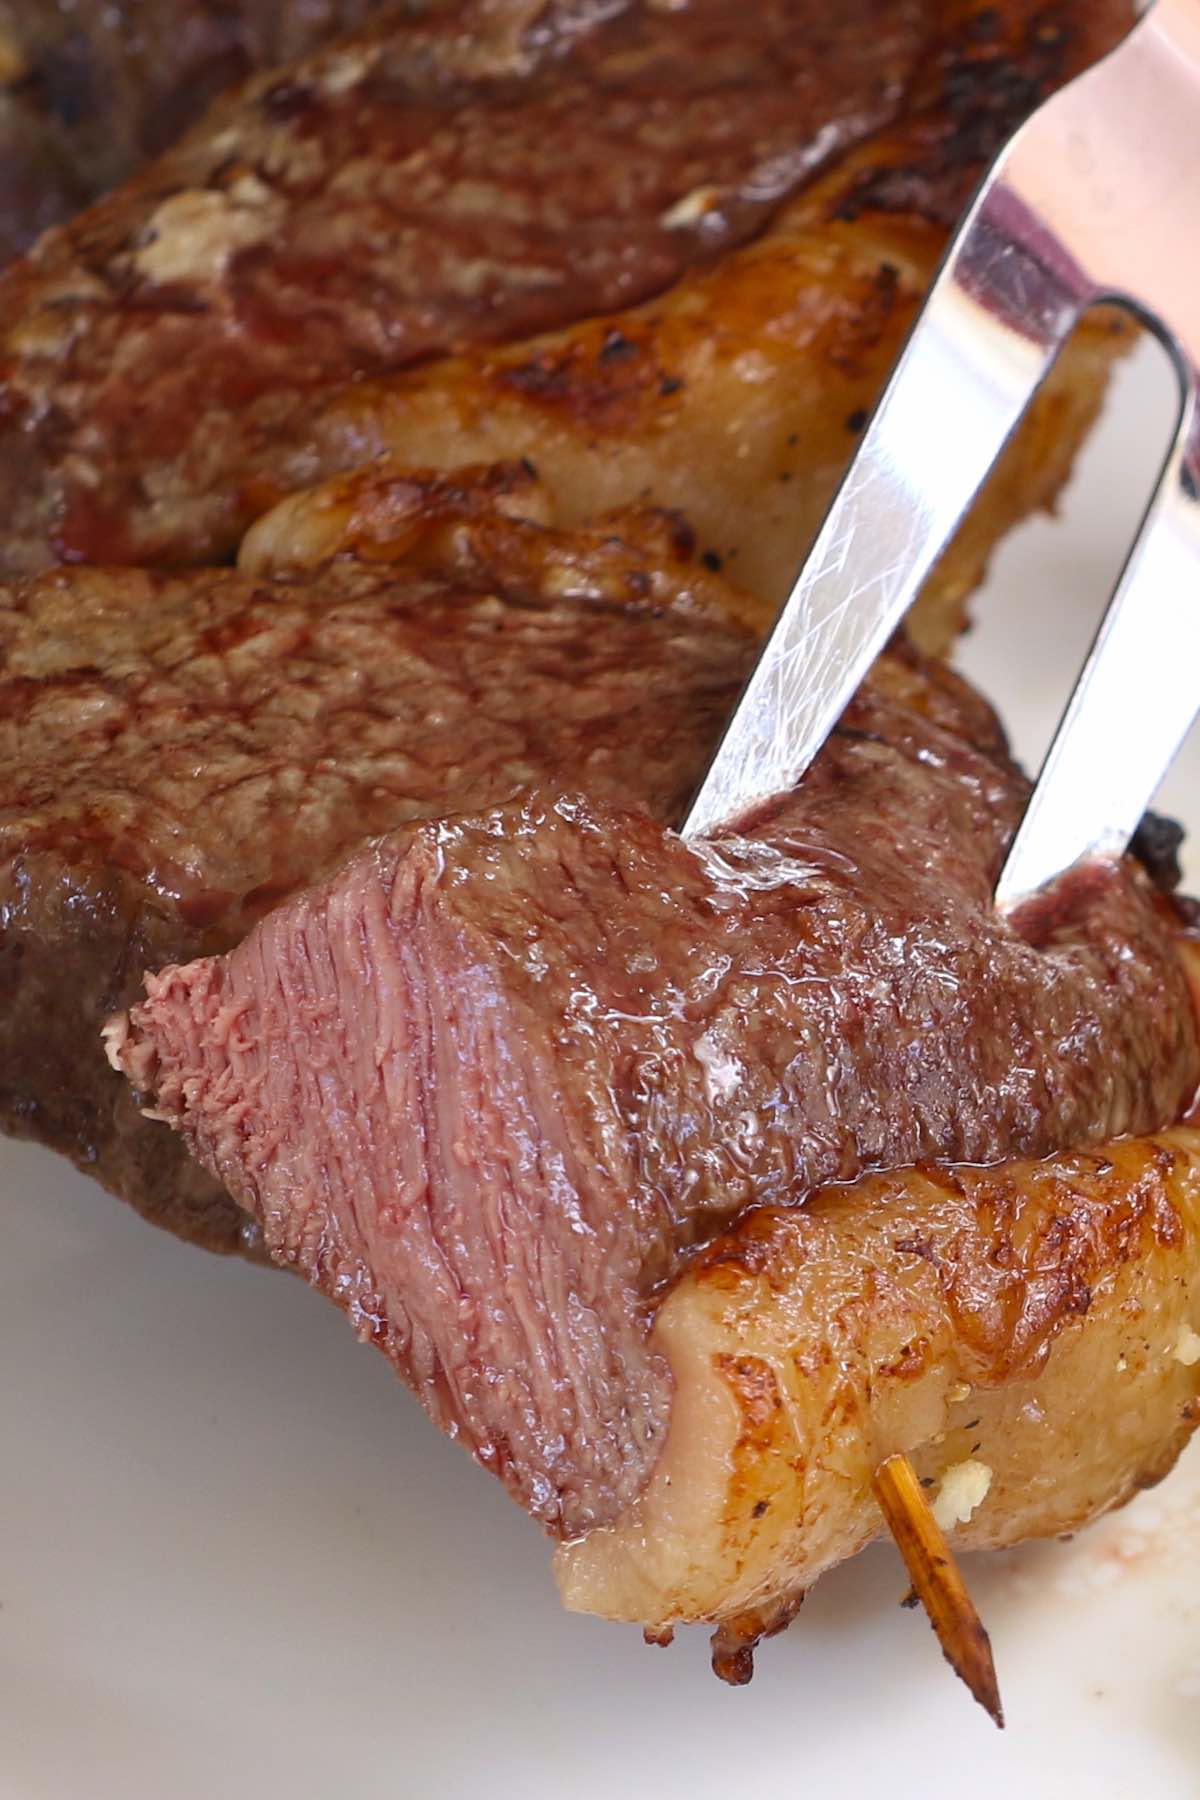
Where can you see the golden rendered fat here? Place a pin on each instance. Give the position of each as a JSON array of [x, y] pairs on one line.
[[1027, 1318], [738, 398]]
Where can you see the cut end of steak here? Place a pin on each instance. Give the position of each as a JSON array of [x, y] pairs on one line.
[[492, 1082], [446, 1200], [180, 752]]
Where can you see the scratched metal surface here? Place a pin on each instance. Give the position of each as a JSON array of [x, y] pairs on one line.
[[235, 1560], [1061, 222]]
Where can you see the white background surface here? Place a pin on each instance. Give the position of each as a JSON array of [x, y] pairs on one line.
[[236, 1561]]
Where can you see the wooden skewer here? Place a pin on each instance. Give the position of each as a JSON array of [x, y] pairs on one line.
[[937, 1580]]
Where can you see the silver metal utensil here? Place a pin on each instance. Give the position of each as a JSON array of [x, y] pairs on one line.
[[1097, 198]]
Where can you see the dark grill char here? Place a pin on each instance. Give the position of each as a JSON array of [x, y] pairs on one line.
[[491, 1082]]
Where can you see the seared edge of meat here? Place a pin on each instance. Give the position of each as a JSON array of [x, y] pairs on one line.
[[737, 399], [468, 521], [1033, 1319]]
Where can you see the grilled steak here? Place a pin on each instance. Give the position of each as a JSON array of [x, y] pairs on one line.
[[504, 167], [180, 752], [491, 1081], [90, 88]]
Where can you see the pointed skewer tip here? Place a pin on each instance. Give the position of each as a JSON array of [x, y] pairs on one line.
[[937, 1581]]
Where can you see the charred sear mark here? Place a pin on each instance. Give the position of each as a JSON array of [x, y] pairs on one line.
[[735, 1640], [911, 1362], [989, 81], [861, 329], [754, 1383], [1156, 844], [616, 347], [600, 379]]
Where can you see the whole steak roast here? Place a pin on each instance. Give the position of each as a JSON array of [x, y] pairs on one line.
[[681, 1182]]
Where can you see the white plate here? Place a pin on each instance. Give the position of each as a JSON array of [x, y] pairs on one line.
[[235, 1560]]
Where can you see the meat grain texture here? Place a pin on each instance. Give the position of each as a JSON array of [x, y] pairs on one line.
[[395, 199]]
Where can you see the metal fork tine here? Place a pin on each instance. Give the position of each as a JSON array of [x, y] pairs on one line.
[[1143, 665], [1091, 201], [966, 376]]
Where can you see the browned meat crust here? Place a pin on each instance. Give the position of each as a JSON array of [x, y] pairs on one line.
[[177, 753], [90, 88], [1034, 1321], [386, 203], [738, 398], [488, 1084]]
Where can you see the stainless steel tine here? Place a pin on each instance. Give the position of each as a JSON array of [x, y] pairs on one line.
[[964, 379], [1095, 198], [1098, 778]]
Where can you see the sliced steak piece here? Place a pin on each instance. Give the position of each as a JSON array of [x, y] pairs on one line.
[[491, 1081], [90, 88], [501, 168], [178, 753]]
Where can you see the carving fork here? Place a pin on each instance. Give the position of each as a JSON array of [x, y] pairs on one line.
[[1097, 198]]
